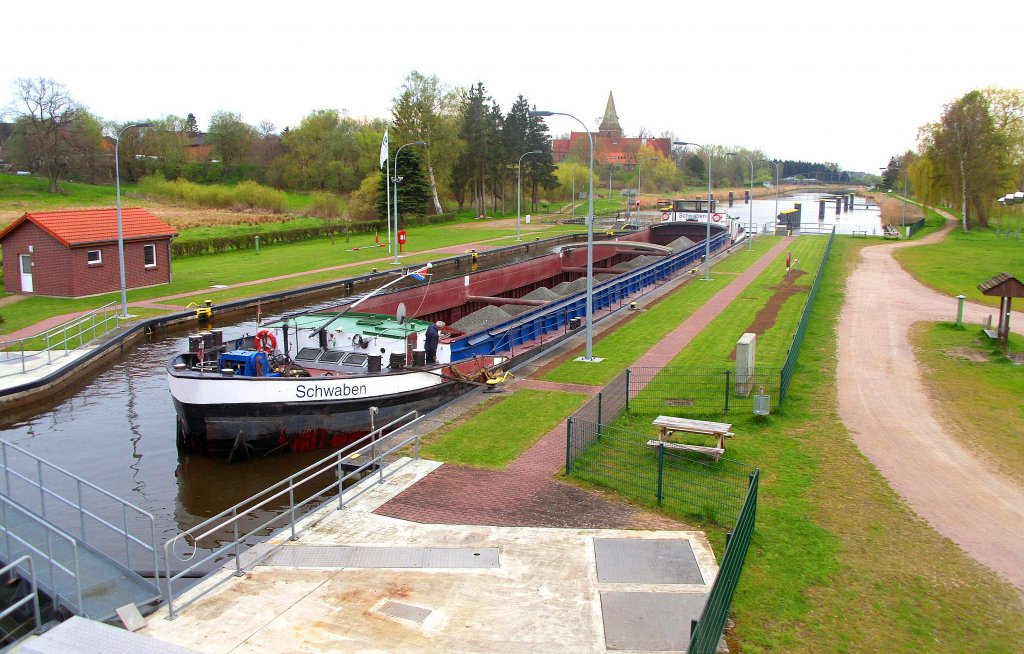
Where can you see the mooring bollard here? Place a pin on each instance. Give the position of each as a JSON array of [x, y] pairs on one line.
[[821, 210], [746, 197], [839, 205], [730, 198]]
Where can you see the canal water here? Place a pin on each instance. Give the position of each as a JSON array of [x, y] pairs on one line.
[[117, 430], [859, 220]]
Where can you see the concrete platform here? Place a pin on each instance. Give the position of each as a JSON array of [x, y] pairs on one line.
[[543, 596]]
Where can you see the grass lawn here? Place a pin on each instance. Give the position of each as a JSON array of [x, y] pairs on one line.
[[505, 427], [989, 418], [838, 562], [21, 194], [961, 261]]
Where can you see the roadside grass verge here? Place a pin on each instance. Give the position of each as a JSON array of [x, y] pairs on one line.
[[989, 419], [838, 561], [960, 262], [505, 428]]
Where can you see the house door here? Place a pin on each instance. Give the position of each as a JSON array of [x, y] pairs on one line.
[[26, 273]]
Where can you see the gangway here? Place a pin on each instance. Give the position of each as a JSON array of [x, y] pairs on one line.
[[74, 575], [52, 516]]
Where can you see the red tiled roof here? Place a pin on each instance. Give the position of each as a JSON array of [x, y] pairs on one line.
[[88, 226]]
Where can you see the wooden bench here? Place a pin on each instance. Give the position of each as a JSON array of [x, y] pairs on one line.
[[667, 425], [714, 452], [861, 233]]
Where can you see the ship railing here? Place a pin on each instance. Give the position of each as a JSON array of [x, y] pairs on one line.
[[20, 355], [14, 569], [247, 524], [79, 507]]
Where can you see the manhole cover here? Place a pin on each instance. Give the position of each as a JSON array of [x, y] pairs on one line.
[[678, 401], [404, 611]]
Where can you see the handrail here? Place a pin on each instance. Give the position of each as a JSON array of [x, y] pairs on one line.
[[6, 504], [232, 517], [33, 596], [78, 504], [61, 337]]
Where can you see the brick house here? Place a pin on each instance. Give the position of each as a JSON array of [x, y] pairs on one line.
[[74, 253], [610, 146]]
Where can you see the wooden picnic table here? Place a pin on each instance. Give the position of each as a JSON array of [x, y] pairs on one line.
[[668, 424]]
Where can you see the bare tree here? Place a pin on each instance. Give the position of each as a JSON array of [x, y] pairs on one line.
[[52, 132]]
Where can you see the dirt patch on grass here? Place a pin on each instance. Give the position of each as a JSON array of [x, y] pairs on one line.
[[765, 318], [968, 353]]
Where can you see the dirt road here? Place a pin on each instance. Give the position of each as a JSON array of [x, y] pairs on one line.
[[883, 404]]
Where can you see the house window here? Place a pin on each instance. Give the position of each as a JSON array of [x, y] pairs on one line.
[[149, 255], [94, 257]]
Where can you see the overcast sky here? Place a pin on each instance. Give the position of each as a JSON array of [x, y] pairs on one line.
[[847, 82]]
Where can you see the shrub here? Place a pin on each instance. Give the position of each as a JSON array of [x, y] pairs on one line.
[[244, 195]]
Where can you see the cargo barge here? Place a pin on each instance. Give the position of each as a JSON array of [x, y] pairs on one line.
[[322, 379]]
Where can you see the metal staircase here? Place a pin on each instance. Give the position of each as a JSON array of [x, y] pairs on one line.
[[51, 516]]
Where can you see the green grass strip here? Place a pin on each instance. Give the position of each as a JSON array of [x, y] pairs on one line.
[[507, 426]]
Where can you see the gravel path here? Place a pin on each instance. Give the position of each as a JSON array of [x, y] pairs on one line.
[[883, 404]]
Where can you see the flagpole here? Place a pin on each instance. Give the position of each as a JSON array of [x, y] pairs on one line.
[[387, 165]]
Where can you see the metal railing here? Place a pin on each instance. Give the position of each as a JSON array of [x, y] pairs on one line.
[[707, 631], [15, 568], [369, 453], [62, 339], [64, 501], [798, 338], [60, 552]]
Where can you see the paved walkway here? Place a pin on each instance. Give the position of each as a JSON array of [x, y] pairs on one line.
[[883, 403], [525, 494]]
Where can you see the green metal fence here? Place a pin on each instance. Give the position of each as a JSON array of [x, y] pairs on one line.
[[708, 630], [798, 337], [914, 226]]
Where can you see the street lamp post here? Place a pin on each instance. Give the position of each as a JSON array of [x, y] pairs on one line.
[[776, 185], [707, 237], [750, 235], [395, 180], [589, 353], [638, 162], [519, 186], [120, 230]]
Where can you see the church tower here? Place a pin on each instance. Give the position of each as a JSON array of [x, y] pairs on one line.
[[610, 124]]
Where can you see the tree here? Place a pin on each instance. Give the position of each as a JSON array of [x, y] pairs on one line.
[[967, 143], [481, 134], [427, 110], [539, 172], [413, 191], [232, 138], [191, 126], [52, 132]]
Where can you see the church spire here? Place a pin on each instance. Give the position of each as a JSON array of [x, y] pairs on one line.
[[610, 124]]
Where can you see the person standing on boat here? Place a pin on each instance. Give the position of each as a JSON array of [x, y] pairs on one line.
[[433, 335]]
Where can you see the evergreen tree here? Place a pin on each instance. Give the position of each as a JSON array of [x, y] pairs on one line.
[[191, 125], [413, 191], [538, 169]]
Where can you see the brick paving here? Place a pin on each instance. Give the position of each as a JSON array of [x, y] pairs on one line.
[[526, 493]]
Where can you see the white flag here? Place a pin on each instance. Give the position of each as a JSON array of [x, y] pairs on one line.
[[384, 149]]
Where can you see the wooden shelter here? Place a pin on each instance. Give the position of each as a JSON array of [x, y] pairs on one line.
[[1005, 287]]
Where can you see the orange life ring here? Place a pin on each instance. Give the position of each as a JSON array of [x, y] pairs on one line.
[[717, 217], [266, 341]]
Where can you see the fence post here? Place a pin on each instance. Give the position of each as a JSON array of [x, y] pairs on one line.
[[600, 412], [661, 471], [627, 389], [568, 445], [727, 373]]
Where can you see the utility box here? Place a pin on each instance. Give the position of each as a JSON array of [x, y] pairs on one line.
[[745, 365]]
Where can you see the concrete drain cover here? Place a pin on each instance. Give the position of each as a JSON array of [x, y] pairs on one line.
[[404, 611], [649, 622], [330, 556], [646, 561]]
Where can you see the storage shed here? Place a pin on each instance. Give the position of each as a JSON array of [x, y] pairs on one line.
[[74, 253]]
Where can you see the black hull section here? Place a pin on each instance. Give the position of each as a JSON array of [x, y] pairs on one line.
[[238, 431]]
